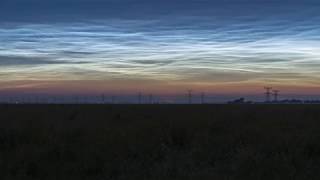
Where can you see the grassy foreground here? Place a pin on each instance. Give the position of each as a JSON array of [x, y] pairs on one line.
[[96, 142]]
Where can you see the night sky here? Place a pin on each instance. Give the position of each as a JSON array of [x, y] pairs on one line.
[[227, 47]]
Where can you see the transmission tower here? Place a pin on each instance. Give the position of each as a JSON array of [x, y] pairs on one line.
[[268, 93], [151, 98], [189, 96], [103, 98], [113, 99], [202, 97], [275, 95], [139, 97]]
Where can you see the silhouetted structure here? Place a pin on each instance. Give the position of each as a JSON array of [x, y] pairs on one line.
[[240, 101], [139, 98], [268, 93], [275, 95], [113, 99], [76, 100], [189, 96], [103, 98], [202, 97], [151, 98]]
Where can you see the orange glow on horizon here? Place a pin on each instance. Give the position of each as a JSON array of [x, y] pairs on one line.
[[155, 87]]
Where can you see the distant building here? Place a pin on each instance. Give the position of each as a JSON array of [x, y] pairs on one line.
[[240, 101]]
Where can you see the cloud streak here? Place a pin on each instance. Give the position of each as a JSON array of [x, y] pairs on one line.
[[200, 47], [32, 61]]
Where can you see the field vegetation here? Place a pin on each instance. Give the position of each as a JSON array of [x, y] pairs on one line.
[[121, 142]]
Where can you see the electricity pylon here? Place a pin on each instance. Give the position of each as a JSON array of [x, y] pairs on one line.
[[103, 98], [151, 98], [139, 97], [275, 95], [113, 99], [189, 96], [202, 98], [268, 93]]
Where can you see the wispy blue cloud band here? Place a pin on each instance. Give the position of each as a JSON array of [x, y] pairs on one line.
[[209, 47]]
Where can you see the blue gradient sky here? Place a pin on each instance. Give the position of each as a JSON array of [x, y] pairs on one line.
[[232, 46]]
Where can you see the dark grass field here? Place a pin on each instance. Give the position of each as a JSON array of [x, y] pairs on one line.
[[97, 142]]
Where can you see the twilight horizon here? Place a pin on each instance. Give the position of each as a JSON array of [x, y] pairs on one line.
[[227, 48]]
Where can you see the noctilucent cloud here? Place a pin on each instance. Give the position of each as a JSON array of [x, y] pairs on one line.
[[227, 44]]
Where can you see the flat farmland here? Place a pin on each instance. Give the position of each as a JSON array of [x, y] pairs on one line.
[[159, 142]]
